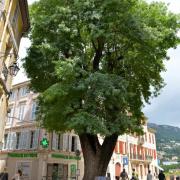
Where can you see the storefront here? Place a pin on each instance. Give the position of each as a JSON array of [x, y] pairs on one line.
[[44, 166]]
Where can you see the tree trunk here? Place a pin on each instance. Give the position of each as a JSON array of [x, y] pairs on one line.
[[96, 156]]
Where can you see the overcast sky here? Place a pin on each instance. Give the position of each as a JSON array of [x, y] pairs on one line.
[[165, 109]]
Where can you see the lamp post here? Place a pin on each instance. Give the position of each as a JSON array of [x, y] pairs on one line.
[[77, 152]]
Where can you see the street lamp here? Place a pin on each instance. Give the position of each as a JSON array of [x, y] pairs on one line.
[[13, 69]]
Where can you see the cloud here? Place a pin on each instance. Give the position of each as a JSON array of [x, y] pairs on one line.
[[165, 109]]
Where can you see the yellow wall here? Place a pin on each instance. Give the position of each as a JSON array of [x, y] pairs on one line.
[[8, 35]]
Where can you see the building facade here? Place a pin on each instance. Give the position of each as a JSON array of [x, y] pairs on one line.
[[135, 152], [23, 146], [39, 154], [14, 22]]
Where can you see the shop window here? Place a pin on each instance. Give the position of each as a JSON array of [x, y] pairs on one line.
[[26, 168]]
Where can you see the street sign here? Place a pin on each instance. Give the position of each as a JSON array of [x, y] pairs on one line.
[[125, 160]]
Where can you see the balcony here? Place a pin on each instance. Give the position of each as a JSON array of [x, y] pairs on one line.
[[149, 158], [140, 157], [141, 140], [136, 156]]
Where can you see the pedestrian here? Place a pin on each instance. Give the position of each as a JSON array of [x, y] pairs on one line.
[[149, 175], [161, 176], [124, 175], [18, 175], [4, 175], [134, 175]]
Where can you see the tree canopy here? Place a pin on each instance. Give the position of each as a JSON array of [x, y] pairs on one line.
[[95, 62]]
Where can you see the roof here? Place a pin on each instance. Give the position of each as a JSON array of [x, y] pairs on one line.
[[25, 14], [21, 84]]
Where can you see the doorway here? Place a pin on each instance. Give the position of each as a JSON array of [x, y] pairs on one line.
[[57, 171]]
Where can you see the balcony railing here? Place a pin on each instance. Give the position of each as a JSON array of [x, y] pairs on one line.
[[141, 157]]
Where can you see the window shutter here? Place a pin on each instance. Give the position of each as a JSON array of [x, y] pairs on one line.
[[61, 142], [35, 140], [20, 141], [78, 143], [11, 140], [23, 140], [69, 142], [28, 139], [54, 147], [14, 140], [65, 142], [57, 138], [7, 144]]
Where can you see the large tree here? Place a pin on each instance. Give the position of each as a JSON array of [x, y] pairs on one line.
[[95, 62]]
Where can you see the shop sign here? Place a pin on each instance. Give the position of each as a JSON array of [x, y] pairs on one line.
[[62, 156], [22, 155]]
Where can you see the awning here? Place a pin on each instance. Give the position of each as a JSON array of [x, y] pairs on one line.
[[160, 168], [155, 164]]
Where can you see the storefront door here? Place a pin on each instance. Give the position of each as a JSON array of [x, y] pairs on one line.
[[57, 172]]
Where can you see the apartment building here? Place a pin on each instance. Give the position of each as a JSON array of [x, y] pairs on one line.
[[14, 22], [135, 152], [39, 154]]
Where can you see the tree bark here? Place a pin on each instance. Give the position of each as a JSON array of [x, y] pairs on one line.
[[96, 156]]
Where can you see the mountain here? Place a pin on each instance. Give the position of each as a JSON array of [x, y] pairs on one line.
[[167, 140], [166, 132]]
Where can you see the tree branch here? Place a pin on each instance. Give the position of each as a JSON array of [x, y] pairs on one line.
[[90, 142], [98, 53]]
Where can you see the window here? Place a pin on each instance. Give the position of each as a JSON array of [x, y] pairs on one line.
[[23, 91], [2, 4], [33, 112], [21, 111], [17, 140], [5, 141], [73, 144], [32, 139], [10, 115], [59, 141], [12, 96], [150, 138], [15, 17]]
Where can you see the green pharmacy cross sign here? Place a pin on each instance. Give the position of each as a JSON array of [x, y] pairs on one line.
[[44, 143]]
